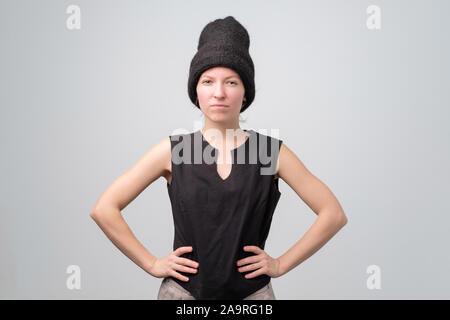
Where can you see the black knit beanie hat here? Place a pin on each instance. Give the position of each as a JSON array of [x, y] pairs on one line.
[[223, 42]]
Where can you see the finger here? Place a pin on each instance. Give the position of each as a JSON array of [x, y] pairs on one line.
[[182, 268], [187, 262], [254, 274], [182, 250], [254, 249], [248, 260], [250, 267], [175, 274]]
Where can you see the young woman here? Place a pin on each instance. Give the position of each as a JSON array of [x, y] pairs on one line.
[[223, 204]]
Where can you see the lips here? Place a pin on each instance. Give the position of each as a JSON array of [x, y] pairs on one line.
[[219, 105]]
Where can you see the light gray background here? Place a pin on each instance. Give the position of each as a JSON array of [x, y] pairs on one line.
[[367, 111]]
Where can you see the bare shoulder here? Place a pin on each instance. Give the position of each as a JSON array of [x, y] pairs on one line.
[[308, 187], [290, 168], [156, 162], [163, 152], [159, 156], [165, 146]]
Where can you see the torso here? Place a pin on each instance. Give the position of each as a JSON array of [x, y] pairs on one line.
[[219, 208]]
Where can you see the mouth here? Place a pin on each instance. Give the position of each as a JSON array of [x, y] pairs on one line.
[[219, 105]]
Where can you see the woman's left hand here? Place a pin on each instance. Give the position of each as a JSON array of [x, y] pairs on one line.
[[261, 262]]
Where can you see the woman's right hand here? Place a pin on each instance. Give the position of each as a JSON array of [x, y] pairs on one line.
[[169, 265]]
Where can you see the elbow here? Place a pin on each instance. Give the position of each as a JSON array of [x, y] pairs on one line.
[[336, 216], [95, 213], [343, 219], [103, 212]]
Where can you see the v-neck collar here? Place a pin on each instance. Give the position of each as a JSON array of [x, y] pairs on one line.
[[232, 151]]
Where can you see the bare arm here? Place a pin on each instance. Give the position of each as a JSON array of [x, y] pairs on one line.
[[107, 211], [331, 217]]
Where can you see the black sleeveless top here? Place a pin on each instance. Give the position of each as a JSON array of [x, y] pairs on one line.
[[217, 216]]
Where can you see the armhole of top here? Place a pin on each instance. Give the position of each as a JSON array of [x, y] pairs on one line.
[[275, 181], [171, 163], [280, 142], [174, 141]]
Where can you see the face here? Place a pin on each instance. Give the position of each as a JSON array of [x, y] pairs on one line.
[[220, 85]]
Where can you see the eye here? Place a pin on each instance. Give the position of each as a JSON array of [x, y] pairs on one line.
[[206, 81]]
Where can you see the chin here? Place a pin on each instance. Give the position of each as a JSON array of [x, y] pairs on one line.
[[220, 118]]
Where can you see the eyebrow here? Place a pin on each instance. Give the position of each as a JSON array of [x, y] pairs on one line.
[[208, 76]]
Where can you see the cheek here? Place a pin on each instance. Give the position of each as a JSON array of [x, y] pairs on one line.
[[202, 94], [237, 95]]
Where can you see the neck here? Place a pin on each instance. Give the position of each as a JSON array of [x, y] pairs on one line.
[[213, 132], [222, 126]]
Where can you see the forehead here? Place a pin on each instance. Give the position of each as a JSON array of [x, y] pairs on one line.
[[220, 72]]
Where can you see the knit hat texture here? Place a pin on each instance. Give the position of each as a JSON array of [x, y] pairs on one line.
[[223, 42]]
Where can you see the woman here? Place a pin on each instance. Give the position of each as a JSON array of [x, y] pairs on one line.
[[223, 204]]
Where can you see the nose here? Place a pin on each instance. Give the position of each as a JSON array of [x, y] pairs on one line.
[[219, 90]]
